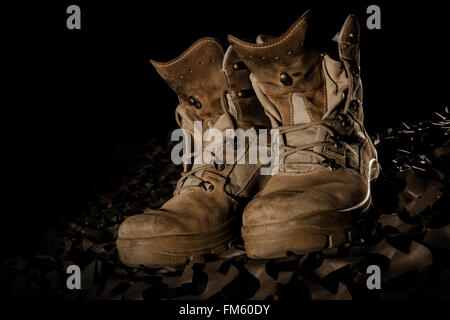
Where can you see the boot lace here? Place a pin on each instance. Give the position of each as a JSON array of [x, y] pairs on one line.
[[213, 167], [287, 150]]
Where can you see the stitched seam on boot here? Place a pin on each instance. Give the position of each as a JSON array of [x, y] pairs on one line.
[[296, 174], [294, 28], [162, 64]]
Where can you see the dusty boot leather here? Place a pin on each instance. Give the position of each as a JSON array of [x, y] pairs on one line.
[[204, 215], [321, 193]]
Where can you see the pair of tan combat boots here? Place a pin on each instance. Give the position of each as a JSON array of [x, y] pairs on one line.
[[320, 195]]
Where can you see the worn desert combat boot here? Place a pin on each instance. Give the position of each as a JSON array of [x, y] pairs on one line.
[[321, 193], [205, 212]]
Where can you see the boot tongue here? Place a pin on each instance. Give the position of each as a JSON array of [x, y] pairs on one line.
[[196, 77], [215, 147], [336, 84]]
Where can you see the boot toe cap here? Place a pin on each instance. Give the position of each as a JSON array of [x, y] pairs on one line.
[[287, 205], [147, 225]]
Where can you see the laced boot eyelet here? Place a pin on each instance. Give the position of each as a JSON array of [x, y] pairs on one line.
[[331, 164], [344, 119], [193, 101], [246, 93], [208, 186], [240, 65], [285, 79]]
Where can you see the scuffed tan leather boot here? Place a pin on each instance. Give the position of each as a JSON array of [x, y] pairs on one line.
[[204, 215], [321, 194]]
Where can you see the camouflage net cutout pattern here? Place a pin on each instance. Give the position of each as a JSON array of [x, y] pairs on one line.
[[411, 242]]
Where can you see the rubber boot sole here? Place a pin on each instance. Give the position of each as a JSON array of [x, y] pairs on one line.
[[177, 249], [301, 235], [310, 233]]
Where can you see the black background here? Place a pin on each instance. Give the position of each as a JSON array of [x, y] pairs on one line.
[[74, 96]]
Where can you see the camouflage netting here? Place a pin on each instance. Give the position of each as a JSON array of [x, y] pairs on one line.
[[411, 243]]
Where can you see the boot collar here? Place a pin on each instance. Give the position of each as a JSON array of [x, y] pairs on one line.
[[196, 77]]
